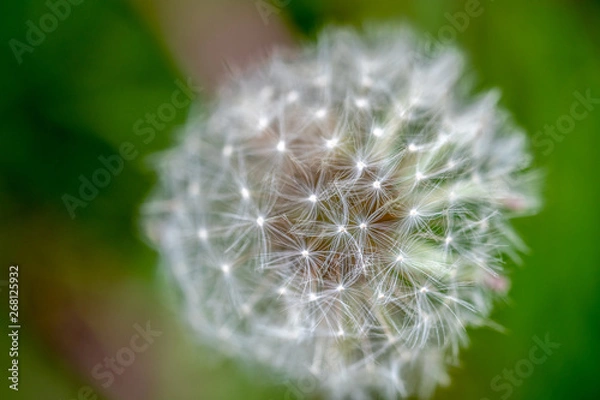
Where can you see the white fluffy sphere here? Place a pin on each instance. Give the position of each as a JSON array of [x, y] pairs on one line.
[[341, 212]]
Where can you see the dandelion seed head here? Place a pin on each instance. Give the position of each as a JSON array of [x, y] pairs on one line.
[[374, 286]]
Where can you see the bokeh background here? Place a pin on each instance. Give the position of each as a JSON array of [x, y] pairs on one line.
[[87, 278]]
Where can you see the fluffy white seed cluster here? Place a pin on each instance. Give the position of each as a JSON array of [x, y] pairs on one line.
[[340, 213]]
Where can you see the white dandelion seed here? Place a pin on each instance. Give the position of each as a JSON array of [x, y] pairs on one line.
[[377, 132], [202, 234], [361, 102], [245, 193], [292, 96], [331, 143], [281, 146], [227, 150], [263, 122], [372, 288]]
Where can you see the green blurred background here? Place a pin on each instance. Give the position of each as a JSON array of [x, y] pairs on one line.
[[85, 281]]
